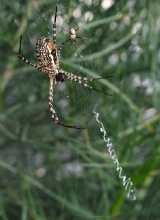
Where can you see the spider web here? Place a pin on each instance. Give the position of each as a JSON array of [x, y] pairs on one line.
[[74, 104]]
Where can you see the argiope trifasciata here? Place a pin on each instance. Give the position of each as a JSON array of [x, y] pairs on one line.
[[48, 63]]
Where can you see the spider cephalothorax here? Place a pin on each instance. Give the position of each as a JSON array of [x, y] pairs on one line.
[[48, 63]]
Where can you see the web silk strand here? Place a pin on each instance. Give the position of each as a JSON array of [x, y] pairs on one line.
[[126, 181]]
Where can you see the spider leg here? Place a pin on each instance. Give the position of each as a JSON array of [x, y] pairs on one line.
[[54, 115], [84, 81], [21, 57], [54, 27]]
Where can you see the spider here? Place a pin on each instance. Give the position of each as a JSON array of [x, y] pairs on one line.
[[73, 34], [48, 63]]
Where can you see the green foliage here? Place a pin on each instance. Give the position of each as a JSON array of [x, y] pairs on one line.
[[50, 172]]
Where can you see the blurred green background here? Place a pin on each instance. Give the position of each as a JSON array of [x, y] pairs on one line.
[[50, 172]]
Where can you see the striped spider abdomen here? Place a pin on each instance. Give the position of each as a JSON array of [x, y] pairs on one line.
[[47, 56]]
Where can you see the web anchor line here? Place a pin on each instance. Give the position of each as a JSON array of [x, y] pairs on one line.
[[126, 181]]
